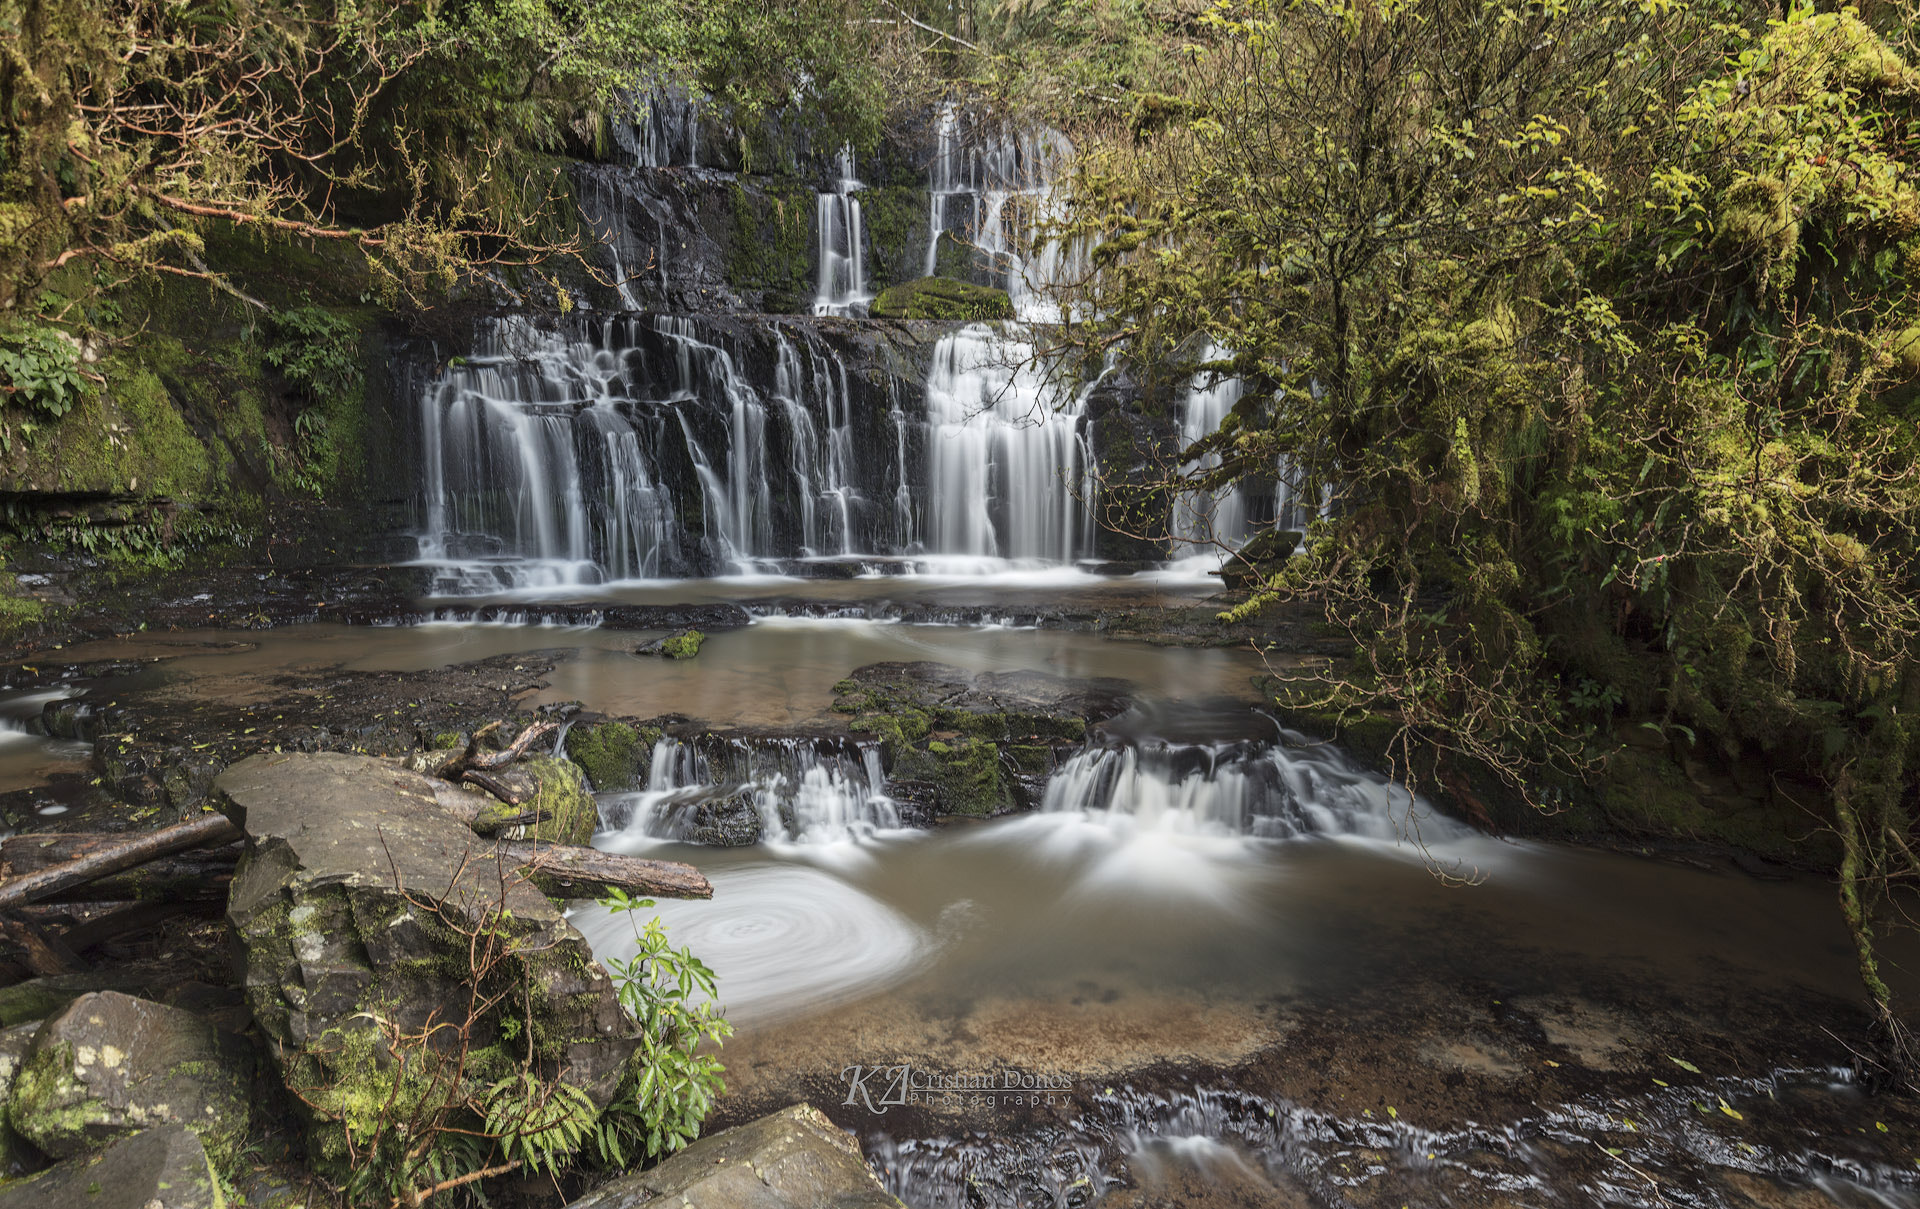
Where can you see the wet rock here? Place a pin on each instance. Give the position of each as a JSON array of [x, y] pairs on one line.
[[350, 902], [164, 1168], [111, 1066], [682, 645], [794, 1159], [707, 617], [967, 744], [724, 817], [612, 754], [38, 998]]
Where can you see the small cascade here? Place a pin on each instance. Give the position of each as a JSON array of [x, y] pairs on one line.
[[1259, 790], [664, 132], [947, 179], [1009, 471], [789, 791], [842, 288], [1204, 518]]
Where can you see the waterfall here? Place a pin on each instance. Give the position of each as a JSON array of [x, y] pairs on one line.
[[787, 791], [842, 288], [1257, 790], [664, 132], [635, 448], [946, 179], [1008, 470], [1202, 518]]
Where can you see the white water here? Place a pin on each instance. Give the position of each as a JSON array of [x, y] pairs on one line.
[[801, 795], [841, 287], [1008, 469]]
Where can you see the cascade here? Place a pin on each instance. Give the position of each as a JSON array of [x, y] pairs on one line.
[[624, 448], [1202, 518], [1009, 473], [1260, 790], [596, 449], [842, 288], [797, 793]]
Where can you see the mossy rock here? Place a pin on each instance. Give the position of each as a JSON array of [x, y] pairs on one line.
[[682, 645], [942, 298], [112, 1065], [167, 1166], [1257, 561], [965, 773], [612, 754]]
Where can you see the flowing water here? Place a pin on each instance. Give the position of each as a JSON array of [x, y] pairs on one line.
[[1212, 949]]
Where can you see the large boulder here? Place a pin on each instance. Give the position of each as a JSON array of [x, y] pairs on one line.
[[110, 1066], [354, 901], [162, 1168], [794, 1159]]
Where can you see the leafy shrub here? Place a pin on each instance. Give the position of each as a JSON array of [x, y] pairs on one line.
[[40, 367]]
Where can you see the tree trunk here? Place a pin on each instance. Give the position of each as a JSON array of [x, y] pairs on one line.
[[115, 855]]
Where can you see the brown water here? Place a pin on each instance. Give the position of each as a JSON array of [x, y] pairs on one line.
[[777, 672]]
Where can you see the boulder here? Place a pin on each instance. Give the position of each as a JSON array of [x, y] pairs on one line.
[[683, 644], [794, 1159], [111, 1066], [162, 1168], [353, 902]]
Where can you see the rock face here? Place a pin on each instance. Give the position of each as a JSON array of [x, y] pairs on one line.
[[353, 902], [111, 1066], [960, 743], [164, 1168], [794, 1159]]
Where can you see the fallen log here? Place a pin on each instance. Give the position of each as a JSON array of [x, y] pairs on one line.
[[477, 757], [562, 870], [47, 955], [116, 857], [565, 871], [199, 876]]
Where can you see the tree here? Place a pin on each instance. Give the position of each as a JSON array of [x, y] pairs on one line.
[[1598, 320]]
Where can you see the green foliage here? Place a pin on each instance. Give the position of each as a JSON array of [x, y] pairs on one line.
[[1603, 346], [317, 351], [669, 991], [40, 369], [540, 1124]]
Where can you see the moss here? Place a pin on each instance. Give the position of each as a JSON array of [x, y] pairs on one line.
[[18, 611], [769, 246], [966, 774], [895, 217], [942, 298], [572, 814], [610, 753], [448, 740], [684, 645]]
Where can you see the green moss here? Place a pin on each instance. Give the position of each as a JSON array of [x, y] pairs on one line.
[[965, 773], [769, 242], [18, 611], [573, 815], [895, 217], [684, 645], [942, 298], [612, 754]]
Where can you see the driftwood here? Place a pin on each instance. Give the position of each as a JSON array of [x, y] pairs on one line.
[[561, 869], [478, 758], [116, 855], [566, 871], [200, 876]]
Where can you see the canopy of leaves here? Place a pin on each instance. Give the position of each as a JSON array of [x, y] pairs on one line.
[[1600, 322]]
